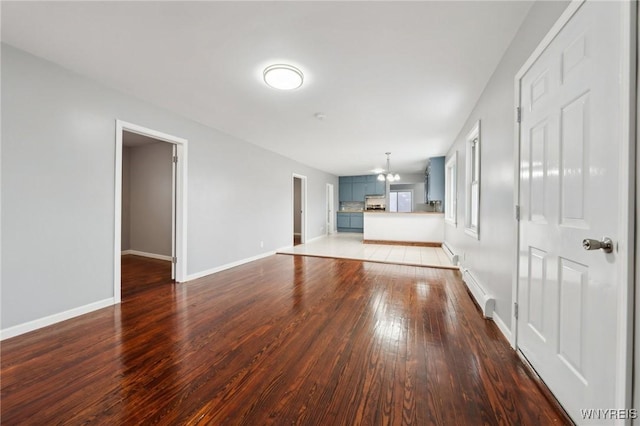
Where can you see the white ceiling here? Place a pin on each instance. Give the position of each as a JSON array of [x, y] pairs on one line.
[[389, 76]]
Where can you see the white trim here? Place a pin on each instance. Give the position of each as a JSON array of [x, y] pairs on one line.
[[486, 302], [502, 326], [469, 229], [297, 234], [626, 245], [145, 254], [26, 327], [228, 266], [181, 201], [330, 210], [454, 258], [303, 202], [626, 218], [451, 211]]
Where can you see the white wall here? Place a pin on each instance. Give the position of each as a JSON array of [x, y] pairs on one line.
[[490, 259], [58, 154], [150, 201]]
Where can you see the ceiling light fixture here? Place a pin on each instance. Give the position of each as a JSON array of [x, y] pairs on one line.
[[283, 77], [391, 177]]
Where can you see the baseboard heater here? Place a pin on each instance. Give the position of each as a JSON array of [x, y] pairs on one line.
[[486, 302], [450, 254]]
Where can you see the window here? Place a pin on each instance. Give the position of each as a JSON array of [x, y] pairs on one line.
[[451, 190], [472, 216], [400, 201]]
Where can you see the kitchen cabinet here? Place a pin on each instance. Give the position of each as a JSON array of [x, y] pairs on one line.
[[435, 179], [345, 188], [359, 191], [344, 220], [355, 188], [350, 222]]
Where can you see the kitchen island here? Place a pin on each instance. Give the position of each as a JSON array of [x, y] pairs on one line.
[[421, 228]]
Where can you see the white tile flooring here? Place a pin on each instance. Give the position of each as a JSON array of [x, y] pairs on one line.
[[349, 245]]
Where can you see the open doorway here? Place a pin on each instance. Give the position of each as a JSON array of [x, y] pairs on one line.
[[148, 205], [330, 227], [150, 209], [299, 186]]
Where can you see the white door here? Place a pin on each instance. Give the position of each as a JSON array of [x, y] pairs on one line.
[[330, 212], [570, 149]]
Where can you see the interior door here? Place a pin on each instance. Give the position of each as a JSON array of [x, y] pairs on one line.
[[570, 136]]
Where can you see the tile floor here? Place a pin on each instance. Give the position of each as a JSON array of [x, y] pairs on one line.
[[349, 245]]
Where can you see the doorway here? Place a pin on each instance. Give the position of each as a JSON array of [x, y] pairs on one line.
[[299, 191], [572, 313], [171, 248], [330, 226]]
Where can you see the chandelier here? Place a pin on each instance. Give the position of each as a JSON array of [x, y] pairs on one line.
[[387, 175]]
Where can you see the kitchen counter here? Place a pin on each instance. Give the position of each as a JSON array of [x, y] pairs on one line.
[[415, 227], [385, 212]]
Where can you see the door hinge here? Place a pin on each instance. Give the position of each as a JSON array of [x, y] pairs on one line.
[[515, 310], [517, 212], [518, 115], [175, 158], [174, 260]]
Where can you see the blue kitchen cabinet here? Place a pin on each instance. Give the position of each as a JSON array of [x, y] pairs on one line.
[[435, 179], [355, 188], [357, 221], [350, 222], [359, 191], [344, 220], [345, 188]]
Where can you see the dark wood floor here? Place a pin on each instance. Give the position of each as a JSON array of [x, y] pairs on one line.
[[283, 340], [142, 273]]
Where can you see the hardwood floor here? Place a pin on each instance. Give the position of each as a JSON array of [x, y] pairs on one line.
[[282, 340], [141, 273]]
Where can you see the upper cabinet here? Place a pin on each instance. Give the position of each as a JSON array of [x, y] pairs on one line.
[[435, 179], [355, 188]]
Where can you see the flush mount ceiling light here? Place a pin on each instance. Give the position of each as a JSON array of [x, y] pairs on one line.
[[391, 177], [283, 77]]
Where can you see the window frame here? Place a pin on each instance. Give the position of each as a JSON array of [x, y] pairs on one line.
[[473, 182], [451, 189], [410, 191]]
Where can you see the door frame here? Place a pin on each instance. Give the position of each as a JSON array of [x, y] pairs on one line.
[[179, 234], [303, 203], [626, 218], [331, 222]]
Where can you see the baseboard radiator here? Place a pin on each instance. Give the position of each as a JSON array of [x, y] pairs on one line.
[[450, 254], [486, 302]]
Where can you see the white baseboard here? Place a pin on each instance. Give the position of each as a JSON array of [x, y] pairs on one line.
[[450, 254], [228, 266], [315, 239], [145, 254], [297, 234], [26, 327], [506, 331], [486, 302]]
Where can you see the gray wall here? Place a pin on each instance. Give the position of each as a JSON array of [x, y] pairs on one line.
[[126, 197], [490, 259], [150, 198], [58, 139]]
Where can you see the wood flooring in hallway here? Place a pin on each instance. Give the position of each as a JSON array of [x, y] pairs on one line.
[[282, 340]]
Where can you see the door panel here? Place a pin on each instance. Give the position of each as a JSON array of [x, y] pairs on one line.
[[570, 141]]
